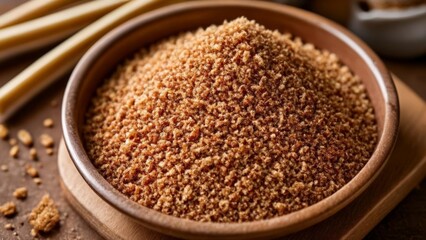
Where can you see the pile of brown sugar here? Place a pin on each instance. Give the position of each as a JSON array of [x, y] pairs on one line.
[[233, 123]]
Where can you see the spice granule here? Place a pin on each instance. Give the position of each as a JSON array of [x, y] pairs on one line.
[[44, 217], [21, 193], [231, 123], [8, 209]]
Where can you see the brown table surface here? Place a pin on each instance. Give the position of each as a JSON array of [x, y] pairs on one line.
[[406, 221]]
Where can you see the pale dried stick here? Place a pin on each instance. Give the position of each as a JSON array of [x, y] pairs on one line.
[[51, 28], [30, 10], [63, 58]]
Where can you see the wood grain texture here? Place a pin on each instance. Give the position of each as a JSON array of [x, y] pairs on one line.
[[405, 169]]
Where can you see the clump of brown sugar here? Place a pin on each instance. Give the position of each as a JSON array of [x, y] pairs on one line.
[[20, 193], [37, 180], [8, 209], [31, 171], [45, 216], [4, 168], [13, 142], [33, 154], [48, 123], [233, 123], [46, 140], [14, 151]]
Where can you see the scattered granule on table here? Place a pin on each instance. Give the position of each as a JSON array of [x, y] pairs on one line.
[[4, 132], [13, 142], [48, 122], [46, 140], [4, 168], [37, 181], [31, 171], [33, 232], [14, 151], [21, 193], [233, 123], [49, 151], [9, 226], [45, 216], [8, 209], [33, 154], [25, 137]]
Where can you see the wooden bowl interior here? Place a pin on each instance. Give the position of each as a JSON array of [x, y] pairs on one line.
[[100, 62]]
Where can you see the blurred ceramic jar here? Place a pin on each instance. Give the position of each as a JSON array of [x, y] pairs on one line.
[[395, 28]]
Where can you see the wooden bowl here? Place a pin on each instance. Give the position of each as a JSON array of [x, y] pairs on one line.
[[99, 62]]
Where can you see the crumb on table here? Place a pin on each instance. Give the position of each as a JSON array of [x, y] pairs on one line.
[[45, 216], [8, 209], [14, 151], [33, 154], [4, 168], [9, 226], [46, 140], [37, 181], [25, 137], [31, 171], [13, 142], [20, 193], [49, 151], [48, 122]]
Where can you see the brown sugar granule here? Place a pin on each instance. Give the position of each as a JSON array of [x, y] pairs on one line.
[[4, 132], [33, 154], [20, 193], [13, 142], [31, 171], [25, 137], [45, 216], [49, 151], [37, 181], [48, 122], [233, 123], [4, 168], [14, 151], [9, 226], [8, 209], [33, 233], [46, 140]]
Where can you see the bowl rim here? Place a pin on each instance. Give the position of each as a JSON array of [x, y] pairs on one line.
[[183, 227]]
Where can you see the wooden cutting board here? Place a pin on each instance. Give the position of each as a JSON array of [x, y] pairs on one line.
[[404, 170]]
